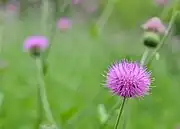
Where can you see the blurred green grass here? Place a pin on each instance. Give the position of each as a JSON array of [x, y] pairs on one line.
[[76, 64]]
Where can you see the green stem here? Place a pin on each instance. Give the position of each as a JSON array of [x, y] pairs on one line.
[[105, 15], [42, 93], [3, 96], [45, 5], [53, 31], [1, 37], [40, 109], [144, 56], [120, 113], [166, 35], [127, 111], [2, 110]]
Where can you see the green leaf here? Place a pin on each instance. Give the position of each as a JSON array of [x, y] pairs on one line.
[[103, 115]]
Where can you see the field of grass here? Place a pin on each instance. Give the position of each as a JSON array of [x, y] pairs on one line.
[[74, 81]]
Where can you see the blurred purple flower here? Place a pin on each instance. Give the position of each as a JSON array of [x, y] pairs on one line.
[[128, 79], [161, 2], [35, 43], [76, 1], [11, 7], [64, 24], [154, 24], [91, 9]]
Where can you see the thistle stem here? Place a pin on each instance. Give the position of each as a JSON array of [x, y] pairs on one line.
[[106, 14], [166, 35], [44, 18], [44, 15], [40, 109], [1, 37], [144, 56], [42, 93], [120, 113], [2, 95], [53, 30]]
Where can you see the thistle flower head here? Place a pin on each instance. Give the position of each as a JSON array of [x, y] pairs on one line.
[[128, 79], [35, 44], [154, 24], [64, 23]]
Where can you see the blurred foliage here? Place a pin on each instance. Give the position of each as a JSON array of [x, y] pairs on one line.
[[127, 11], [177, 21]]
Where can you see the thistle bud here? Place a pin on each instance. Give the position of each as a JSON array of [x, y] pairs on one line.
[[151, 39]]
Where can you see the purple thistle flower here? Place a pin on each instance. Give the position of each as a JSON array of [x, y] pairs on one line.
[[35, 44], [128, 79]]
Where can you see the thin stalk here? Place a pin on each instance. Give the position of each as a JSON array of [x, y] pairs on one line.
[[126, 114], [166, 35], [105, 15], [125, 118], [3, 96], [45, 11], [144, 56], [54, 28], [53, 32], [42, 93], [40, 109], [1, 37], [120, 113], [44, 17], [2, 110]]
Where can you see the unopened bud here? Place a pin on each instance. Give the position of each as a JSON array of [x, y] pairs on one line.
[[151, 39]]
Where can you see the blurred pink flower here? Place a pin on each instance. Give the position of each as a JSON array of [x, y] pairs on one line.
[[11, 7], [91, 9], [76, 1], [161, 2], [64, 23], [35, 43], [154, 24]]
